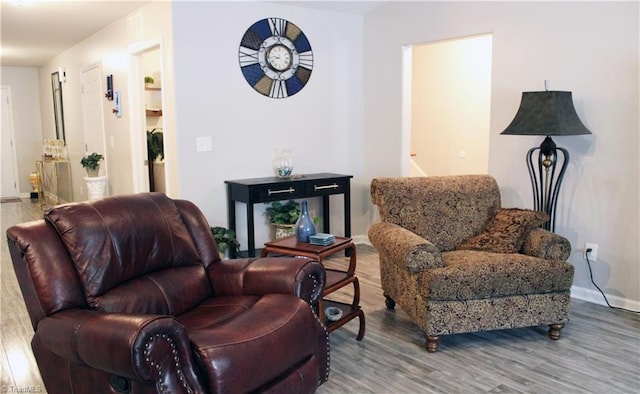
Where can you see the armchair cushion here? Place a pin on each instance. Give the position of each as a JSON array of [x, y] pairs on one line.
[[472, 274], [110, 245], [506, 232]]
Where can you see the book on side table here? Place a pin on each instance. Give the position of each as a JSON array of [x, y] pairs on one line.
[[322, 239]]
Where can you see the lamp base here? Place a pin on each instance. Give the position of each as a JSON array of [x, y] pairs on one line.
[[545, 179]]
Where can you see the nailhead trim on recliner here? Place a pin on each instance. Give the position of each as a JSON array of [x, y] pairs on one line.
[[315, 283], [158, 367], [326, 334]]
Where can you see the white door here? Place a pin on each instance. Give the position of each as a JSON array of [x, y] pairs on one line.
[[92, 114], [8, 164]]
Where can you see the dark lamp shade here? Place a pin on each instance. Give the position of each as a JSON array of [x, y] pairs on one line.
[[546, 113]]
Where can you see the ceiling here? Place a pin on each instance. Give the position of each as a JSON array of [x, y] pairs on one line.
[[35, 31], [357, 7]]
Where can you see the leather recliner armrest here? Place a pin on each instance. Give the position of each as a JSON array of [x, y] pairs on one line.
[[546, 245], [404, 247], [148, 348], [299, 276]]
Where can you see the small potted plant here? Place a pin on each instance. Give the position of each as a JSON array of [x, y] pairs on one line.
[[155, 145], [225, 239], [283, 217], [91, 163], [148, 81]]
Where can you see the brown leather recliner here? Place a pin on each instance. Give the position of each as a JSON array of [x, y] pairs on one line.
[[128, 294]]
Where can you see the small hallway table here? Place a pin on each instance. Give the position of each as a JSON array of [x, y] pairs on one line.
[[262, 190], [336, 279]]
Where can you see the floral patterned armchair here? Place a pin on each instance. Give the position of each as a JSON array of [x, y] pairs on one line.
[[456, 262]]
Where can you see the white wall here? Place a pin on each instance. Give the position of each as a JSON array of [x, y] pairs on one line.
[[26, 118], [589, 48], [348, 118], [322, 123], [111, 48]]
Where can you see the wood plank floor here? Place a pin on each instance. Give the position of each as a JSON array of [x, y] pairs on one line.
[[599, 351]]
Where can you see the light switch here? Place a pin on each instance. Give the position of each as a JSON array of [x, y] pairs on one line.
[[203, 144]]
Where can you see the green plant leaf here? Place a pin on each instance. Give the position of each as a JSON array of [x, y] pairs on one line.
[[287, 213], [91, 161], [155, 145], [225, 238]]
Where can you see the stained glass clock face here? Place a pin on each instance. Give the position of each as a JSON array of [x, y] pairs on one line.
[[275, 58]]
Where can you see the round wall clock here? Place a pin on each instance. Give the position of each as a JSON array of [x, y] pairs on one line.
[[275, 58]]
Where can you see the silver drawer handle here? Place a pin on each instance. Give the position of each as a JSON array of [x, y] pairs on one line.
[[289, 190], [334, 186]]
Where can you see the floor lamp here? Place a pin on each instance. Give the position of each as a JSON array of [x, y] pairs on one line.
[[546, 113]]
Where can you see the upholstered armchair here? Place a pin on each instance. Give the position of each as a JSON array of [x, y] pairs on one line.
[[129, 295], [456, 262]]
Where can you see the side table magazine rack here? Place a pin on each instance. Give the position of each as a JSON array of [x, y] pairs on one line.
[[336, 279]]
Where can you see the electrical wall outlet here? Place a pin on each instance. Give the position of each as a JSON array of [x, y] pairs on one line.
[[593, 255]]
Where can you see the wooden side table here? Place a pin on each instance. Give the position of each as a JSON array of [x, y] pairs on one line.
[[336, 279]]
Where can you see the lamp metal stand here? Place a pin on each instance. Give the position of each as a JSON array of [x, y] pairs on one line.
[[545, 181]]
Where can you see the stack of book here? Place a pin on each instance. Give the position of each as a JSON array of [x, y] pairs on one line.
[[322, 239]]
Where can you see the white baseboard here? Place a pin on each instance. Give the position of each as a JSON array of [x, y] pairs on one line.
[[594, 296], [360, 239]]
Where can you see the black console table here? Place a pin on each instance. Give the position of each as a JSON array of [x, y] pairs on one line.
[[261, 190]]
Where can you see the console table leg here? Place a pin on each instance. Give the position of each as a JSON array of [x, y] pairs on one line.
[[251, 236]]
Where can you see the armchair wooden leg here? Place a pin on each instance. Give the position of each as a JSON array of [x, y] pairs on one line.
[[555, 330], [389, 302], [432, 344]]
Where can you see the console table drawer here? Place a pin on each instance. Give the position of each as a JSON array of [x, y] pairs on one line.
[[326, 186], [281, 191]]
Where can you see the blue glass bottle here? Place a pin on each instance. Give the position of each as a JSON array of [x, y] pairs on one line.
[[304, 226]]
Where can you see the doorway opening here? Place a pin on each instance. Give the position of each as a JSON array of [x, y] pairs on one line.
[[9, 185], [448, 91], [150, 64], [148, 110]]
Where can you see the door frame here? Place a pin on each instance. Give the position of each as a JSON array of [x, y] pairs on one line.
[[103, 133], [12, 136], [137, 111]]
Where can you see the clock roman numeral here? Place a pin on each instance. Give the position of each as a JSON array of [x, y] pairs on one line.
[[306, 60], [278, 89], [278, 26], [247, 56]]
